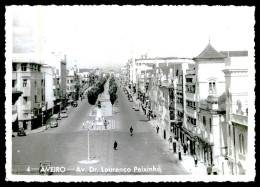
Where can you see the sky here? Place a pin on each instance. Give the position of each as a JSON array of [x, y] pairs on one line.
[[107, 36]]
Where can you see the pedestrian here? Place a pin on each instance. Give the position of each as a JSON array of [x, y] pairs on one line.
[[214, 170], [170, 141], [185, 148], [115, 145], [157, 128], [195, 160], [209, 169], [131, 130], [105, 123]]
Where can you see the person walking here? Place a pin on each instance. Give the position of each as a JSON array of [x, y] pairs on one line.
[[170, 142], [105, 123], [115, 145], [157, 128], [185, 148], [196, 160], [131, 130], [214, 170], [209, 169]]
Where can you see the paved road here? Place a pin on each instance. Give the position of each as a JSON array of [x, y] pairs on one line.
[[66, 145]]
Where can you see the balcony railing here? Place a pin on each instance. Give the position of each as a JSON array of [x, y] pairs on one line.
[[26, 91], [191, 96], [240, 119], [26, 107], [190, 72], [191, 112], [179, 107], [179, 87]]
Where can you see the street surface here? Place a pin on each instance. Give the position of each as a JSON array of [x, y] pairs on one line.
[[66, 145]]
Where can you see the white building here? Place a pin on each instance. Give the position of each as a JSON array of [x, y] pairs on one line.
[[237, 87]]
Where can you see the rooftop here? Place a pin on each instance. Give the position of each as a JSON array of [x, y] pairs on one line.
[[209, 53], [84, 70], [234, 53]]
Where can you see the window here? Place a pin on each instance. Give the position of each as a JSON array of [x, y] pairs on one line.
[[13, 83], [241, 144], [42, 82], [35, 98], [24, 67], [212, 87], [24, 82], [25, 99], [204, 120], [210, 127], [14, 67], [43, 97], [71, 81], [39, 68], [35, 83], [25, 115]]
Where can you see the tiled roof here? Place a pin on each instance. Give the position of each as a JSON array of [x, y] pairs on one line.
[[234, 53], [84, 70], [209, 53], [149, 64]]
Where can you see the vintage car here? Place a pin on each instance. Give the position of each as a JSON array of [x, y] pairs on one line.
[[54, 122], [136, 107], [75, 104], [63, 114], [21, 132]]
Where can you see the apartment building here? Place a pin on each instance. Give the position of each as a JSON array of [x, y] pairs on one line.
[[52, 89], [28, 78], [237, 88]]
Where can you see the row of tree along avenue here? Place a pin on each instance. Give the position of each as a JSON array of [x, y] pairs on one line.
[[97, 89], [112, 90]]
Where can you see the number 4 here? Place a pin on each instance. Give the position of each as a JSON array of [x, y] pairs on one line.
[[28, 169]]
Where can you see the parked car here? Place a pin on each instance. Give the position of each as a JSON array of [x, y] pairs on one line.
[[54, 124], [21, 132], [136, 107], [75, 104], [63, 114]]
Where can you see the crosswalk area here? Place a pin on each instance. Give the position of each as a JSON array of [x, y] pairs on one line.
[[92, 126]]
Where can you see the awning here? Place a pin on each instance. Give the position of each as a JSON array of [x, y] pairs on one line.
[[14, 117]]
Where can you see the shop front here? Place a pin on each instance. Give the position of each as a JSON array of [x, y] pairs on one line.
[[205, 152]]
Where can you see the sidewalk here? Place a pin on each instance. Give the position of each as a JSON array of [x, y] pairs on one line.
[[187, 161]]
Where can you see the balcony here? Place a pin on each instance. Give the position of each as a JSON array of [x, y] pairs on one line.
[[191, 96], [240, 119], [179, 107], [191, 112], [26, 107], [190, 72], [26, 91], [191, 127], [165, 83], [179, 87]]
